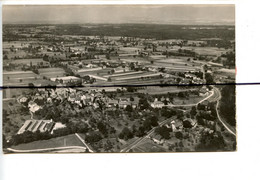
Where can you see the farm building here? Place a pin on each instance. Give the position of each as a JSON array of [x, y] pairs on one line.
[[37, 125], [66, 79]]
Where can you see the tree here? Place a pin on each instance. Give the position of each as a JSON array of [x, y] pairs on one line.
[[30, 85], [209, 78], [126, 134], [187, 124], [193, 111], [154, 120], [129, 108], [108, 56], [179, 135], [140, 132], [143, 103], [102, 128], [147, 125], [5, 143], [130, 89], [163, 131], [5, 57], [227, 105], [93, 137], [211, 142]]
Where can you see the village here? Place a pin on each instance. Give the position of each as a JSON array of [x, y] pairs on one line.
[[113, 93]]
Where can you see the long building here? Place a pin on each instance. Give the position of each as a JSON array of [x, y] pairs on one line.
[[35, 125]]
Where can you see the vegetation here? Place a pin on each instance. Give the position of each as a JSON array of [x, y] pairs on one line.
[[228, 104]]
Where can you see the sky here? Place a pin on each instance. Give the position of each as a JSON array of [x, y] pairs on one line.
[[158, 14]]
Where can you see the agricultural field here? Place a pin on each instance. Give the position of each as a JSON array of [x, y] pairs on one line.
[[28, 61], [64, 141], [163, 90], [212, 51], [99, 72], [18, 53], [19, 77], [129, 50], [136, 76], [149, 146], [193, 99], [137, 59], [51, 72], [17, 44]]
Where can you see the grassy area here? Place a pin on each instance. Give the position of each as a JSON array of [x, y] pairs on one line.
[[161, 90], [207, 50], [28, 61], [149, 146], [19, 77], [14, 120], [51, 72], [64, 141]]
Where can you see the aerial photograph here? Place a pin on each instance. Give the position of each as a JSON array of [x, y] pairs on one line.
[[118, 78]]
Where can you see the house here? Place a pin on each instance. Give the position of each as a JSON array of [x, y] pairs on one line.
[[157, 104], [192, 121], [157, 139], [204, 91], [123, 104], [112, 102], [33, 107], [176, 125], [135, 102], [66, 79], [72, 97], [22, 99]]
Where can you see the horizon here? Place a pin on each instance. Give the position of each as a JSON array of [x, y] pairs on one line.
[[120, 14]]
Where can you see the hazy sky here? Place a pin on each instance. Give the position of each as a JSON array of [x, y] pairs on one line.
[[162, 14]]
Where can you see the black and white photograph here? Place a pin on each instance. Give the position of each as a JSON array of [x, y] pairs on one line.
[[119, 78]]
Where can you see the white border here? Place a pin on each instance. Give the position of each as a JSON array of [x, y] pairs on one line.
[[243, 164]]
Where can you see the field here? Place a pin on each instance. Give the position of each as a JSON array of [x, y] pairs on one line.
[[136, 76], [191, 100], [179, 64], [17, 44], [213, 51], [19, 77], [18, 53], [227, 71], [123, 74], [28, 61], [149, 146], [99, 72], [64, 141], [52, 72], [163, 90]]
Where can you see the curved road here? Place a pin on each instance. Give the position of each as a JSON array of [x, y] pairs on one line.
[[217, 97], [225, 124]]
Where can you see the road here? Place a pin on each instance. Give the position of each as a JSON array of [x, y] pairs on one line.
[[216, 97], [225, 124], [139, 140], [189, 105], [89, 149], [48, 149]]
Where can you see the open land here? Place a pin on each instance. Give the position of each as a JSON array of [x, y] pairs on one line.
[[142, 88]]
